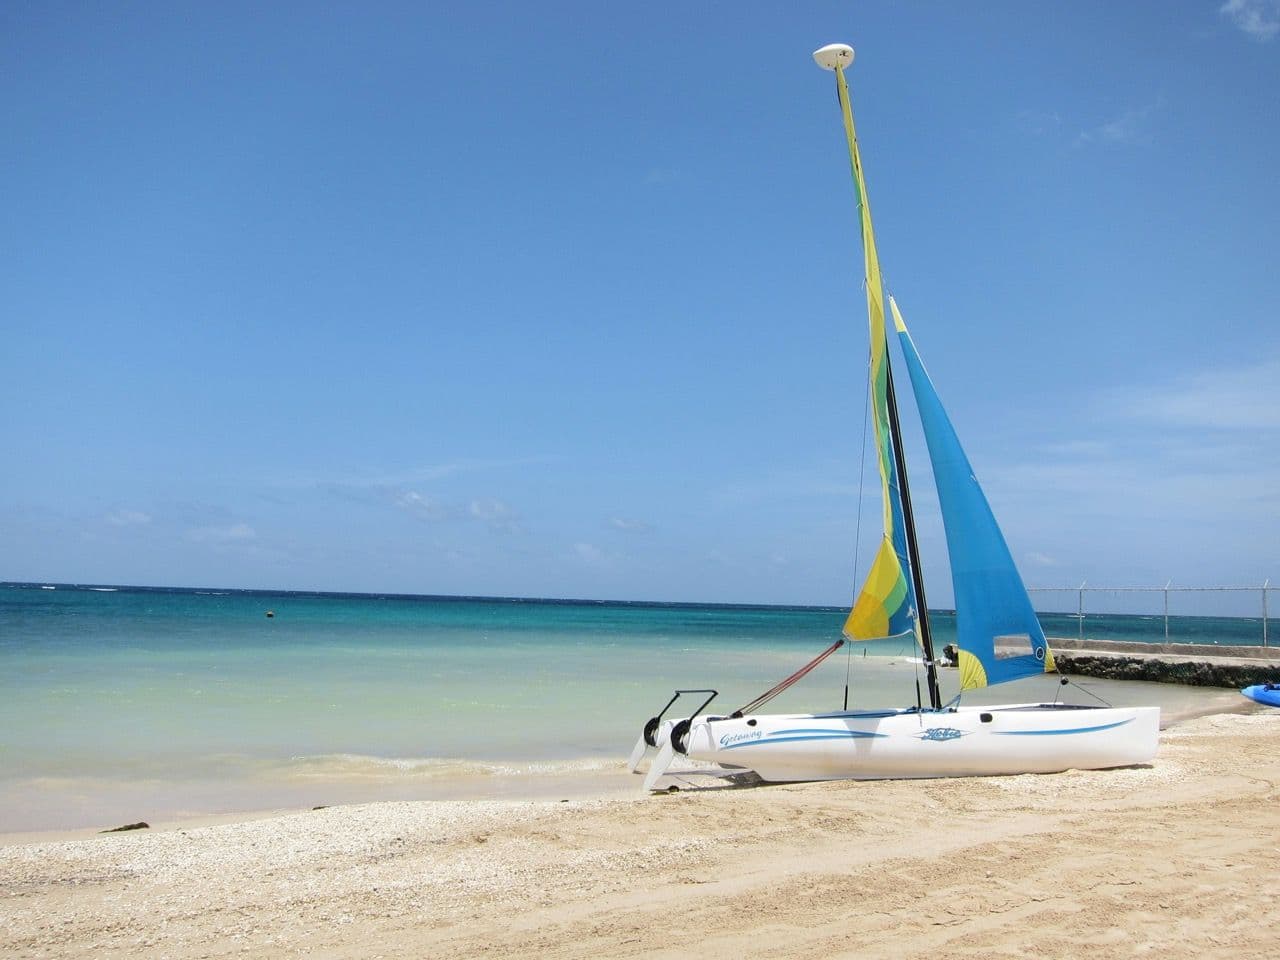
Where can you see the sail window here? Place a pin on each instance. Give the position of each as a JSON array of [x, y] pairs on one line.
[[1010, 645]]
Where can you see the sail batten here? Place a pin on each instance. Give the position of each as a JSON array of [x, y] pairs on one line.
[[991, 600]]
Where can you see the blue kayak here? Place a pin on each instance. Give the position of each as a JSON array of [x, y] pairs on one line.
[[1268, 693]]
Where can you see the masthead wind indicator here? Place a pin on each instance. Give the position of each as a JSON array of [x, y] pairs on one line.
[[834, 55]]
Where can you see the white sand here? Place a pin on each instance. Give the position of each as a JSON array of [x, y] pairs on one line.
[[1174, 860]]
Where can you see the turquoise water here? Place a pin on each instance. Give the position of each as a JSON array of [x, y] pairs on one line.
[[200, 698]]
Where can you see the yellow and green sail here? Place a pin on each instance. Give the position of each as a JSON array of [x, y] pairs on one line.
[[883, 606]]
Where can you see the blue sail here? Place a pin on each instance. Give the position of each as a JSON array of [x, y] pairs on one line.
[[991, 600]]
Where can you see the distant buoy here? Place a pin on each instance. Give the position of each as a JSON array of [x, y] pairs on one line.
[[270, 613]]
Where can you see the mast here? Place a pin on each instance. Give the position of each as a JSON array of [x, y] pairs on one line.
[[913, 550], [836, 57]]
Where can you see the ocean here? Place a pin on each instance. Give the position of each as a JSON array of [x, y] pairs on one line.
[[129, 703]]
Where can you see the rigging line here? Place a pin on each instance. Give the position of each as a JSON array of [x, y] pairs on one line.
[[1067, 680], [782, 685]]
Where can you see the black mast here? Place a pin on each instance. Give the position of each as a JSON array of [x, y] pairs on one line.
[[913, 550]]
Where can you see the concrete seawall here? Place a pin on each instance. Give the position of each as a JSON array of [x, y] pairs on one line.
[[1196, 665]]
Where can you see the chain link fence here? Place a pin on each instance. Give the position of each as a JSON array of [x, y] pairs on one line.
[[1247, 607]]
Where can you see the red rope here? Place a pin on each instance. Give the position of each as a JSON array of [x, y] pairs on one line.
[[773, 691]]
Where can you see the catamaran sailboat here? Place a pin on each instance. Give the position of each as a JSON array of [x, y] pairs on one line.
[[999, 637]]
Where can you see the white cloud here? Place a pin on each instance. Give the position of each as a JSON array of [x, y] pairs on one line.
[[1258, 19], [410, 476], [1128, 127], [420, 505], [233, 533], [592, 555], [436, 471], [1067, 449], [1040, 122], [127, 518], [489, 509], [794, 484], [630, 526], [1162, 478], [1174, 477], [496, 514], [1239, 398]]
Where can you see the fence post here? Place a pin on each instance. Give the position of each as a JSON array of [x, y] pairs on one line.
[[1265, 587], [1166, 611], [1080, 610]]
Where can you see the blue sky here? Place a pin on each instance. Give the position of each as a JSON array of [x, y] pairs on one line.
[[564, 299]]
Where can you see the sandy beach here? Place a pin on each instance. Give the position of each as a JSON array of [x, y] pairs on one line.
[[1177, 859]]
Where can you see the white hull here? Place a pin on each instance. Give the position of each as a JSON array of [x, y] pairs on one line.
[[966, 742]]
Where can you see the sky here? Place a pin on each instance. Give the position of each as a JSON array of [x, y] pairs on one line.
[[564, 299]]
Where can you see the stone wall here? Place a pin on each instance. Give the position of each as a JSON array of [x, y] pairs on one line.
[[1193, 673], [1195, 665]]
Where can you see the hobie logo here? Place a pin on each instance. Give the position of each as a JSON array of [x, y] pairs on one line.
[[942, 733], [732, 738]]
